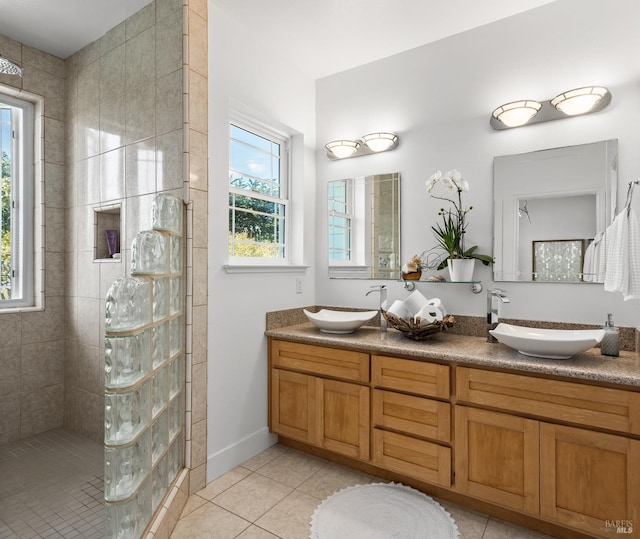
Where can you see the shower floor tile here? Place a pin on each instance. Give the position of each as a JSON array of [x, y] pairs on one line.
[[52, 486]]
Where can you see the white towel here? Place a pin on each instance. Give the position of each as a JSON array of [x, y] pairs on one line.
[[591, 267], [622, 255]]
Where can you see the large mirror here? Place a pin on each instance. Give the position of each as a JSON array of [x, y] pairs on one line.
[[551, 208], [364, 227]]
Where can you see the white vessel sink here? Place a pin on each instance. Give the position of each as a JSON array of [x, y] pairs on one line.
[[339, 321], [547, 343]]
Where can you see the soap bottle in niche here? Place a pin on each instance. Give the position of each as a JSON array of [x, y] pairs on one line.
[[610, 345]]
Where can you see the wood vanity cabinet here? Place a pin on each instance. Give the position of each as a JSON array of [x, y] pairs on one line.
[[411, 431], [320, 396], [565, 452], [574, 474]]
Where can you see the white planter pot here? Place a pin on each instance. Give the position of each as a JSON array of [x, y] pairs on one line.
[[461, 269]]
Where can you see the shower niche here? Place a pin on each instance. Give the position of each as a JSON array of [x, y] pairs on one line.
[[145, 375], [107, 226]]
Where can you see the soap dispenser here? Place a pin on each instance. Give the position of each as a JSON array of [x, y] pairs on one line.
[[610, 345]]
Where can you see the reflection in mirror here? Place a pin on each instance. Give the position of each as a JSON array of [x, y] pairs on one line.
[[550, 210], [364, 227]]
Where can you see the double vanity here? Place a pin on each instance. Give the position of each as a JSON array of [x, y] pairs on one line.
[[553, 445]]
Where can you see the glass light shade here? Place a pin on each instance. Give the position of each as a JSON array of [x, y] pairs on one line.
[[517, 113], [379, 142], [580, 100], [342, 148]]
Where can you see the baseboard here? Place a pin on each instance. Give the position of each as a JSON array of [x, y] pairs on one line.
[[235, 454]]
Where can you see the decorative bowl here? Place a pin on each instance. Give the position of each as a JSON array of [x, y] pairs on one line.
[[412, 329], [547, 343], [330, 321]]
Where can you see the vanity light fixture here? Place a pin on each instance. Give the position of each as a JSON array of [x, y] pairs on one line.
[[580, 100], [570, 103], [342, 148], [517, 113], [368, 144]]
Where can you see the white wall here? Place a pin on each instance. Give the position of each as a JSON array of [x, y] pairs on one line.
[[439, 98], [245, 74]]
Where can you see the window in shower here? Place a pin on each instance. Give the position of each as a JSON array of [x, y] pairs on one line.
[[16, 225]]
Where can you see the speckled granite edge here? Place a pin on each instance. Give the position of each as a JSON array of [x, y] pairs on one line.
[[472, 326], [447, 347]]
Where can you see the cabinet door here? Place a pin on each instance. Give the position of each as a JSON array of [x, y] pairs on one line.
[[342, 411], [496, 458], [590, 480], [293, 405]]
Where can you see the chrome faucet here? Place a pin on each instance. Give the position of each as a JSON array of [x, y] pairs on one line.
[[382, 288], [495, 296]]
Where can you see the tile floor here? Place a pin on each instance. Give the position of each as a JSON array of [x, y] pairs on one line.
[[52, 485], [274, 494]]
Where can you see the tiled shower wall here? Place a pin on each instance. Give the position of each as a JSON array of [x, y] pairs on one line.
[[32, 343], [129, 120]]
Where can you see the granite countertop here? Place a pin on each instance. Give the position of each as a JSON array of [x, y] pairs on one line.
[[462, 349]]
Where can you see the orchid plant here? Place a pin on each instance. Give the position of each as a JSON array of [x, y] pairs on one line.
[[450, 233]]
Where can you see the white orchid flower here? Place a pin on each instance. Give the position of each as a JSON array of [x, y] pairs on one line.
[[457, 180], [433, 180]]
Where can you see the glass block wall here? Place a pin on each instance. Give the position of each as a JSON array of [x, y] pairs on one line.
[[145, 375]]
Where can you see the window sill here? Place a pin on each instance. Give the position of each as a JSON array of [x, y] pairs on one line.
[[263, 268]]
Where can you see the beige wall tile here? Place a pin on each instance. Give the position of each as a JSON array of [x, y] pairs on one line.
[[140, 21], [89, 86], [112, 123], [112, 174], [198, 160], [41, 410], [199, 393], [54, 141], [112, 39], [168, 45], [54, 185], [43, 61], [88, 316], [198, 477], [200, 265], [10, 418], [42, 365], [199, 340], [44, 84], [168, 7], [11, 329], [198, 102], [54, 274], [169, 103], [140, 169], [10, 374], [88, 134], [89, 281], [169, 158], [200, 218], [112, 74], [140, 114], [54, 231], [198, 443], [140, 65], [198, 56], [47, 325]]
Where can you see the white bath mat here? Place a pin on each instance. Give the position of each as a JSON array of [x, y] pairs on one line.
[[381, 511]]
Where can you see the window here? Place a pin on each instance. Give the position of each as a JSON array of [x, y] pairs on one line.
[[340, 219], [258, 191], [16, 225]]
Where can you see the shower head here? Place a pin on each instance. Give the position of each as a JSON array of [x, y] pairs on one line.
[[7, 67]]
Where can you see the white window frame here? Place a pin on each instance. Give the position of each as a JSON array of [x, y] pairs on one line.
[[284, 140], [23, 192], [350, 217]]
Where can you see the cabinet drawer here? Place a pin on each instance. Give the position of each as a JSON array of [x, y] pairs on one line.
[[413, 415], [412, 457], [331, 362], [428, 379], [614, 409]]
